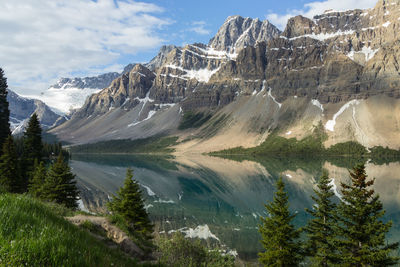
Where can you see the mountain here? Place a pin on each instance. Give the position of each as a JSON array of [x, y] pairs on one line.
[[22, 108], [69, 94], [237, 33], [159, 60], [339, 69]]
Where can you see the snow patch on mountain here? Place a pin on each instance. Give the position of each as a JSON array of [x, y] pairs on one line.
[[316, 103], [368, 52], [322, 36], [202, 75], [330, 125]]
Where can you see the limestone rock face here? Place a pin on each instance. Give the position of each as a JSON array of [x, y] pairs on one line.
[[159, 60], [124, 92], [237, 33]]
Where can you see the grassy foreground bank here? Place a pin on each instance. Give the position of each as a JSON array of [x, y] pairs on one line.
[[33, 233]]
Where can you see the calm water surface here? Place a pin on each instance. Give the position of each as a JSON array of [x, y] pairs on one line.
[[222, 199]]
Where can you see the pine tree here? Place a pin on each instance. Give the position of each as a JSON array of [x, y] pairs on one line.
[[278, 233], [38, 180], [4, 111], [363, 233], [129, 204], [321, 229], [33, 148], [9, 174], [60, 185]]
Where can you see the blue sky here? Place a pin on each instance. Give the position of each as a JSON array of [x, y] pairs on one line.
[[86, 37]]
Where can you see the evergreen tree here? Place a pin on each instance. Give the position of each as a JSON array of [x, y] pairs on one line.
[[363, 233], [322, 230], [33, 148], [38, 180], [4, 111], [9, 174], [278, 233], [129, 204], [60, 185]]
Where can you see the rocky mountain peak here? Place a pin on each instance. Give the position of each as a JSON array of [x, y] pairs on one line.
[[298, 26], [159, 60], [238, 32], [124, 92]]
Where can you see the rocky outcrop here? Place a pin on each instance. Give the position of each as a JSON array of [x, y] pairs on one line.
[[21, 109], [237, 33], [112, 232], [160, 59], [126, 91]]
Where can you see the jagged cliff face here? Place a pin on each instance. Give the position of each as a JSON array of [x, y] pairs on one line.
[[21, 109], [260, 79], [126, 92], [237, 33], [161, 57]]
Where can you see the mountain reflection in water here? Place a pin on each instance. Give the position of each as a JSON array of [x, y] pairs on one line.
[[223, 198]]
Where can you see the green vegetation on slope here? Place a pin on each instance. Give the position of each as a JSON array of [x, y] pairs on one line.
[[280, 146], [35, 234], [193, 120], [311, 146], [153, 144]]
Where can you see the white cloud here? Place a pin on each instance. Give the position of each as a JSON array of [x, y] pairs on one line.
[[41, 40], [318, 7], [199, 28]]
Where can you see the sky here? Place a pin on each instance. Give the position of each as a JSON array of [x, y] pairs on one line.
[[43, 40]]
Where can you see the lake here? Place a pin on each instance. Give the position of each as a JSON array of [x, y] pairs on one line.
[[222, 199]]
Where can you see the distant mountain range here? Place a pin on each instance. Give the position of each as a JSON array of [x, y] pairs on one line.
[[69, 94], [339, 69], [22, 108]]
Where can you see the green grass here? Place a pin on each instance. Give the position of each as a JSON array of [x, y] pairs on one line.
[[35, 234], [149, 145]]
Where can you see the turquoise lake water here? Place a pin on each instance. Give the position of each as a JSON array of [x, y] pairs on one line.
[[222, 199]]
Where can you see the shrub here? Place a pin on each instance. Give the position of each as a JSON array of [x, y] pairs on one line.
[[179, 251]]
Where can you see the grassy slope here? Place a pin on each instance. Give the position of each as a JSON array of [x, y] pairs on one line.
[[35, 234]]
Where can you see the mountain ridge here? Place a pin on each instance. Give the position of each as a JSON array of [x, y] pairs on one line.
[[314, 69], [22, 108]]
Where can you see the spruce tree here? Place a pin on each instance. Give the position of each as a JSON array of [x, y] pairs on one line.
[[33, 148], [129, 204], [60, 185], [363, 232], [38, 180], [9, 173], [4, 111], [278, 233], [321, 229]]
